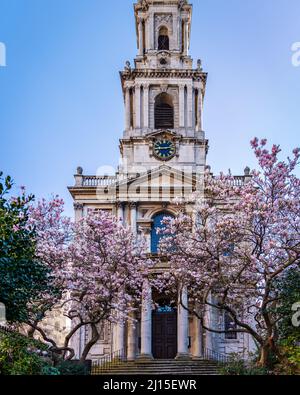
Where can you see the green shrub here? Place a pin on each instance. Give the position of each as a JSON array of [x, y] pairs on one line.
[[238, 367], [17, 356], [48, 370], [72, 368], [290, 349]]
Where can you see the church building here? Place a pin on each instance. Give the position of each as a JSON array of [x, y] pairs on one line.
[[163, 157]]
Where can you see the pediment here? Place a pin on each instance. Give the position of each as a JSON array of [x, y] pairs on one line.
[[161, 177]]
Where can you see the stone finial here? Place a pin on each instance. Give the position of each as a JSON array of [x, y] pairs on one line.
[[199, 65], [79, 171], [247, 171], [143, 4], [79, 177], [182, 3], [127, 66]]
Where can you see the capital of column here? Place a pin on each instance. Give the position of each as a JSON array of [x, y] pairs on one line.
[[78, 206], [119, 204], [133, 205], [140, 20]]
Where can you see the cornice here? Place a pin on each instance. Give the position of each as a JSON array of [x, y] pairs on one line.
[[196, 75]]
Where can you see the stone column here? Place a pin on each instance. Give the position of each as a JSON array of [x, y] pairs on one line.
[[198, 334], [181, 106], [120, 211], [190, 106], [146, 323], [186, 38], [146, 22], [131, 338], [133, 217], [151, 32], [200, 110], [183, 326], [127, 108], [78, 208], [137, 106], [209, 324], [118, 337], [146, 106], [141, 42]]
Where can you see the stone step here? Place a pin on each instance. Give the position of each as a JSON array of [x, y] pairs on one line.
[[159, 374], [162, 367], [161, 370], [156, 373]]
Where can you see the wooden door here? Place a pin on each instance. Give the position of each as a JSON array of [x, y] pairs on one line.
[[164, 335]]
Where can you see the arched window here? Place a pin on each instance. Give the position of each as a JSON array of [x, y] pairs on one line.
[[164, 112], [163, 39], [157, 224]]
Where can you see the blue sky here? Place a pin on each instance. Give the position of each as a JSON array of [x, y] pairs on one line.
[[60, 96]]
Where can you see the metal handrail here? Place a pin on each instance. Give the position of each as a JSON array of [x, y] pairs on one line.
[[212, 355], [109, 361]]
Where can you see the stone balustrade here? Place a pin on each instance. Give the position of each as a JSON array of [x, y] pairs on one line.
[[98, 181]]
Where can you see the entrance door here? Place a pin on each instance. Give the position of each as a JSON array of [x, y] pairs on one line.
[[164, 333]]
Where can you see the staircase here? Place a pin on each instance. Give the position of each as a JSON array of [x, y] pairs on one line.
[[159, 367]]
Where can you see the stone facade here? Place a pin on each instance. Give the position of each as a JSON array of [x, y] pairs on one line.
[[158, 164]]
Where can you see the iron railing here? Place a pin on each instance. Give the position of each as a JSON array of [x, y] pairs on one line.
[[109, 361], [212, 355]]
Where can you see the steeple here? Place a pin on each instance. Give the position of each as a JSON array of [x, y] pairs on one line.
[[163, 92]]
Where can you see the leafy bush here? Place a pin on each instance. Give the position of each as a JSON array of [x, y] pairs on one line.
[[238, 367], [17, 357], [290, 349], [48, 370], [72, 368]]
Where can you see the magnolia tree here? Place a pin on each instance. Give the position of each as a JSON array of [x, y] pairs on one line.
[[106, 273], [53, 234], [236, 244], [97, 271]]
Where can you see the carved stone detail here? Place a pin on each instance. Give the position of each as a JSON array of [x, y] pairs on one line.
[[78, 206], [166, 19]]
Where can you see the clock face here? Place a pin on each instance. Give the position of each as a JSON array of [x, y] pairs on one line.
[[164, 149]]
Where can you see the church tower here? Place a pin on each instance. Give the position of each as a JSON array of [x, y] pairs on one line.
[[163, 156], [163, 93]]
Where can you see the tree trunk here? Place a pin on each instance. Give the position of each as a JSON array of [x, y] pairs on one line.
[[91, 343], [266, 350], [264, 356]]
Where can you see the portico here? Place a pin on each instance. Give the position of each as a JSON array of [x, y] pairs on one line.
[[164, 332]]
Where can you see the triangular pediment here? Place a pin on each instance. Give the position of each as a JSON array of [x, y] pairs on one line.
[[163, 182]]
